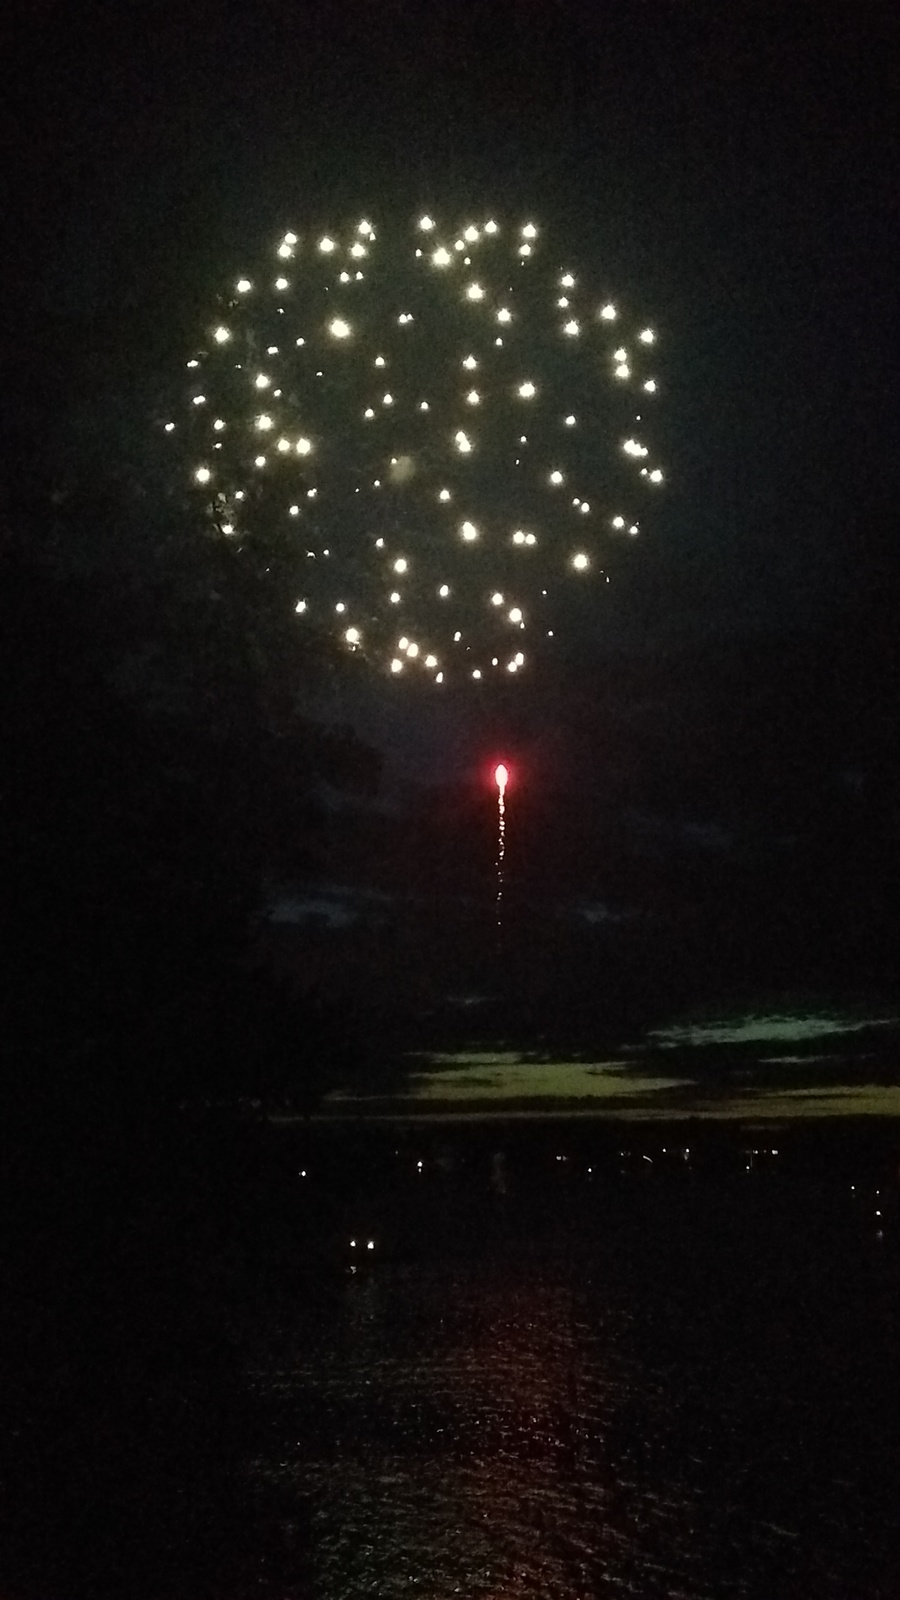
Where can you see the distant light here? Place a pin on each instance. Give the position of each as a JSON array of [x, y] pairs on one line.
[[580, 561], [259, 461], [444, 494], [504, 315], [444, 590], [281, 283], [199, 399], [463, 442], [442, 257], [285, 251], [490, 227], [476, 673], [474, 292], [650, 386], [368, 412], [412, 650], [572, 329], [470, 363], [423, 405], [524, 249], [339, 329], [222, 335], [556, 476], [264, 423], [529, 231], [203, 474], [647, 336], [387, 400], [300, 607], [396, 665], [340, 607], [567, 281], [471, 234], [401, 564], [469, 531], [352, 636], [326, 245], [570, 421], [303, 447], [394, 597], [261, 381], [243, 286], [431, 662], [496, 599], [169, 428], [357, 251], [609, 313], [526, 391], [623, 371], [515, 615], [501, 776], [656, 476], [618, 522], [473, 398], [426, 224]]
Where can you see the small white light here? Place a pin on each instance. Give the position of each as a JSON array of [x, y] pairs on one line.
[[476, 673], [357, 251], [580, 561], [526, 391], [496, 599], [221, 336], [300, 607], [169, 428], [228, 527], [518, 537], [504, 315], [463, 442], [647, 336], [571, 329], [394, 597], [490, 227], [524, 249], [650, 386], [264, 423], [608, 312], [474, 292], [567, 281], [368, 412], [423, 405], [444, 590], [326, 245], [412, 650], [570, 421], [426, 224], [340, 607], [556, 476], [387, 400], [442, 257], [618, 522], [469, 531], [470, 363], [199, 399], [401, 564], [303, 447], [339, 329], [243, 286], [203, 474], [656, 476], [352, 636], [444, 494], [293, 511], [259, 461], [218, 425], [261, 381], [623, 370], [285, 251], [281, 283], [515, 615], [473, 398], [396, 665]]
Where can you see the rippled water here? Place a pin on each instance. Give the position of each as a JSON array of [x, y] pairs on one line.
[[682, 1393]]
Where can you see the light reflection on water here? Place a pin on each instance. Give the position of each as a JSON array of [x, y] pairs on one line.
[[558, 1418]]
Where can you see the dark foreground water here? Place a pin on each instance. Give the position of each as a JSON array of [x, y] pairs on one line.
[[565, 1384]]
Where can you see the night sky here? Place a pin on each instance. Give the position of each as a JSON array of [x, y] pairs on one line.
[[730, 171]]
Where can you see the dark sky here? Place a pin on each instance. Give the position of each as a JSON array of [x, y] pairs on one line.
[[733, 169]]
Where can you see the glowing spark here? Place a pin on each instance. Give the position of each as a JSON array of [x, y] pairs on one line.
[[581, 562], [243, 286], [327, 245], [463, 442], [203, 475], [339, 329], [609, 313], [469, 531], [442, 257], [526, 391], [222, 335]]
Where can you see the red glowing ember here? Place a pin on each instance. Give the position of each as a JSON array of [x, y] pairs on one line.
[[501, 777]]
